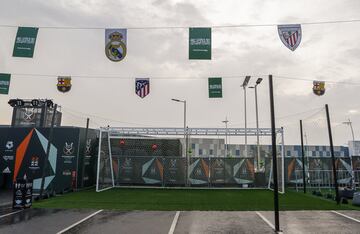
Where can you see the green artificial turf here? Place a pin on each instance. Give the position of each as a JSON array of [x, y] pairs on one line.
[[188, 199]]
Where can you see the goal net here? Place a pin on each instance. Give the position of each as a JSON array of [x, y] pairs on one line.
[[139, 159]]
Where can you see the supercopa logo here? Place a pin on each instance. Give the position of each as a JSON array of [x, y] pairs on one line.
[[88, 147], [29, 114], [68, 148]]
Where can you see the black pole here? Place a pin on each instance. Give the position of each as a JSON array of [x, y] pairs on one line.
[[45, 165], [273, 146], [303, 156], [84, 155], [332, 154]]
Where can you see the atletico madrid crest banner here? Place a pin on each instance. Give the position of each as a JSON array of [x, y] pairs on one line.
[[142, 87], [290, 35]]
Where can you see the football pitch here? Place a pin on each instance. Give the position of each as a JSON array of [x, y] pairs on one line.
[[127, 199]]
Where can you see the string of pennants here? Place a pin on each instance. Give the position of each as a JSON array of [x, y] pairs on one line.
[[116, 50]]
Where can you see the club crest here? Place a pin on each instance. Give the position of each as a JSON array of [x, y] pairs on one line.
[[64, 84], [290, 35], [319, 88], [115, 44], [142, 87]]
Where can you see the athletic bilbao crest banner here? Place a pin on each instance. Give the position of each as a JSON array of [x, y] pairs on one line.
[[142, 87], [319, 88], [290, 35], [64, 84], [115, 44]]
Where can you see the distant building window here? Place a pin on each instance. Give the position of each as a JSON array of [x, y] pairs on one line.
[[193, 146], [237, 152], [327, 153], [211, 152], [288, 153], [200, 151]]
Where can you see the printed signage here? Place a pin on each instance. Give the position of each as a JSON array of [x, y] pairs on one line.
[[25, 42], [4, 83], [200, 43], [22, 194], [215, 87]]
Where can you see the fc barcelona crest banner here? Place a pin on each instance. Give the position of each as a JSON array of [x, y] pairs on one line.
[[115, 44], [290, 35], [142, 87], [25, 42], [64, 83], [319, 88]]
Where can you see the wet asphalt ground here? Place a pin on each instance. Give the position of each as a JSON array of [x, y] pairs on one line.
[[106, 221]]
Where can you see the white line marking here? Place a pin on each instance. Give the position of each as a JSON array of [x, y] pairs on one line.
[[174, 222], [353, 219], [266, 221], [2, 216], [77, 223]]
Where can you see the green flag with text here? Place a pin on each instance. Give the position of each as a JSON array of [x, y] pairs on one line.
[[25, 42], [4, 83], [215, 87], [199, 43]]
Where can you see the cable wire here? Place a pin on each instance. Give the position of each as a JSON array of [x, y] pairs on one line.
[[186, 27]]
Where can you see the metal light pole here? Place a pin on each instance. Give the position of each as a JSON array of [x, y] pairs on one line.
[[185, 133], [258, 81], [226, 144], [351, 162], [245, 83]]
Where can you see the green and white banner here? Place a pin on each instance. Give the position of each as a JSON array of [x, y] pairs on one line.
[[4, 83], [25, 42], [215, 87], [200, 43]]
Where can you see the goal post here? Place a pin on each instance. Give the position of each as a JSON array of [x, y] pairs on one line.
[[105, 172]]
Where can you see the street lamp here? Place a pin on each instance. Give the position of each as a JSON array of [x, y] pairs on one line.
[[258, 81], [245, 83], [351, 163], [183, 101], [226, 144]]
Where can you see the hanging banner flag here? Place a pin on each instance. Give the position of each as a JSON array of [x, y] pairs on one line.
[[115, 44], [319, 87], [4, 83], [215, 87], [290, 35], [199, 43], [64, 83], [25, 42], [142, 87]]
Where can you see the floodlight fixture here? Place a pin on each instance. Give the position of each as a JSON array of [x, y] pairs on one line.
[[246, 81]]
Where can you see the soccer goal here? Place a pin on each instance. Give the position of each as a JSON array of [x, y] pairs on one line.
[[156, 157]]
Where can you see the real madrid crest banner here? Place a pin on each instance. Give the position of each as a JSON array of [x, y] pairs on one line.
[[25, 42], [4, 83], [319, 87], [115, 44], [142, 87], [290, 35], [200, 43], [215, 87], [64, 83]]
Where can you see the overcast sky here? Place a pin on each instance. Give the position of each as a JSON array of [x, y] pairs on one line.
[[105, 89]]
